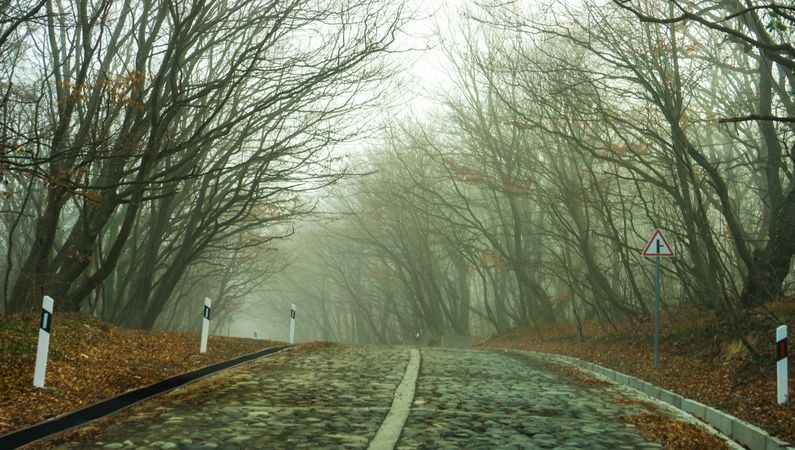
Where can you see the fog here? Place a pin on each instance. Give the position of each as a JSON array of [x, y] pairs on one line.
[[394, 168]]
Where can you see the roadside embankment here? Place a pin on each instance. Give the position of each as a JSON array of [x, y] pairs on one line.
[[91, 360], [700, 358]]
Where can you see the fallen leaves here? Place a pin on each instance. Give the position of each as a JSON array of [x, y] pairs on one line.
[[578, 376], [696, 361], [91, 360], [674, 434]]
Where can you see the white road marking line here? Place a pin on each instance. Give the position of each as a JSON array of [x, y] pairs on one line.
[[387, 436]]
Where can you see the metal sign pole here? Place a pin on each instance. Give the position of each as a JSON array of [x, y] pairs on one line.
[[657, 247], [657, 315]]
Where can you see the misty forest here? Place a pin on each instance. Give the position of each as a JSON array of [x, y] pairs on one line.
[[262, 153]]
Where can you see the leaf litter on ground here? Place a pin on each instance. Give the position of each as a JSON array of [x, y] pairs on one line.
[[700, 358], [90, 361]]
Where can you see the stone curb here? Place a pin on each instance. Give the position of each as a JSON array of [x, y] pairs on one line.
[[742, 432]]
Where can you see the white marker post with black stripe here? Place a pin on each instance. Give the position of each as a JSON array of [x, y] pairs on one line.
[[205, 325], [292, 324], [44, 342], [781, 364]]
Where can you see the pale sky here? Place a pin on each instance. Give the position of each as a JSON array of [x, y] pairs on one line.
[[427, 69], [423, 71]]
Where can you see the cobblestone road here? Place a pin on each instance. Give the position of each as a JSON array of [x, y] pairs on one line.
[[503, 401], [338, 397]]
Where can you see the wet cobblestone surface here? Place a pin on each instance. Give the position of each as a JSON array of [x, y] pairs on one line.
[[337, 397], [494, 400], [332, 398]]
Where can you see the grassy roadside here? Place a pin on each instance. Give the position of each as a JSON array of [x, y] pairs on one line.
[[698, 359], [90, 360]]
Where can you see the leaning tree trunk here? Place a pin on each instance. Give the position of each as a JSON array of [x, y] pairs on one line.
[[772, 264], [31, 284]]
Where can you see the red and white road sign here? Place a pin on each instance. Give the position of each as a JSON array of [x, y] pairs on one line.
[[658, 246]]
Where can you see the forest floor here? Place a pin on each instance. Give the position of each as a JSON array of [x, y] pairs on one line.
[[699, 358], [90, 361]]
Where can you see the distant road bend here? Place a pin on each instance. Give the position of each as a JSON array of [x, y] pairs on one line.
[[381, 398]]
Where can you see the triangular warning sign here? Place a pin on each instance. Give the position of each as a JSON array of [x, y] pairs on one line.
[[658, 246]]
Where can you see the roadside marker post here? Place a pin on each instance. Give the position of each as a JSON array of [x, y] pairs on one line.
[[292, 324], [657, 247], [44, 341], [205, 324], [782, 388]]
